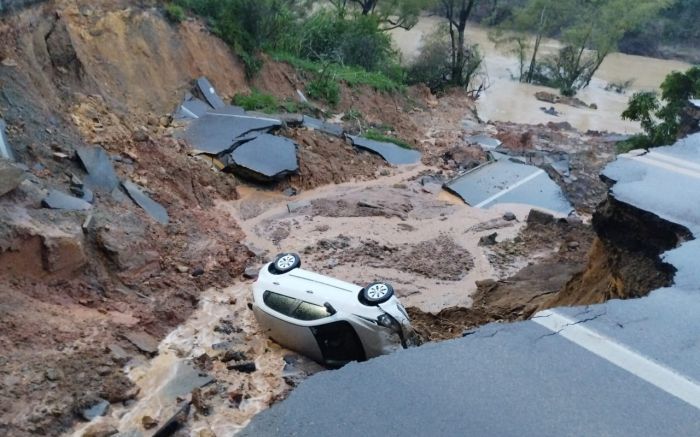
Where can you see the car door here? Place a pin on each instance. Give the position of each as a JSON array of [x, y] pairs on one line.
[[339, 343]]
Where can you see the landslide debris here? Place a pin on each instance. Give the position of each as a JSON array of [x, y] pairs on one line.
[[535, 265]]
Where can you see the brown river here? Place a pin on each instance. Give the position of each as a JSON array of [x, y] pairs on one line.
[[509, 100]]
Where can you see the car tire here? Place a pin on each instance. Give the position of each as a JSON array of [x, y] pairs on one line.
[[377, 293], [285, 262]]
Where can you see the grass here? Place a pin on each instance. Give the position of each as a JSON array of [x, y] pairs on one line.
[[378, 136], [353, 76], [267, 103]]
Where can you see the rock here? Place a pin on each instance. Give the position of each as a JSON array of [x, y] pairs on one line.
[[10, 177], [233, 356], [251, 272], [539, 217], [148, 422], [143, 341], [544, 96], [140, 136], [247, 367], [101, 429], [297, 206], [182, 269], [289, 192], [174, 423], [118, 354], [573, 244], [488, 240], [96, 410], [509, 216], [63, 253], [198, 271], [199, 403], [53, 374], [206, 433]]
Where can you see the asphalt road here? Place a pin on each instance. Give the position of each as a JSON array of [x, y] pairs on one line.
[[624, 368]]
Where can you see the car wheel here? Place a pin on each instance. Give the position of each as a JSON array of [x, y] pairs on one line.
[[285, 262], [377, 292]]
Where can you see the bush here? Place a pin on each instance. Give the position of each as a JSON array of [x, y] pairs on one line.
[[667, 118], [325, 87], [174, 13], [257, 101], [356, 41], [249, 26], [433, 66]]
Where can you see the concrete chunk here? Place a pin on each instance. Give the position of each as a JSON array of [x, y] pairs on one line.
[[153, 208], [59, 200], [209, 93], [97, 163], [191, 108], [5, 149], [215, 134], [266, 158], [323, 126], [505, 181], [391, 153]]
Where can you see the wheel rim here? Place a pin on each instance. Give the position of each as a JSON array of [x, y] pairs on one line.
[[377, 291], [285, 262]]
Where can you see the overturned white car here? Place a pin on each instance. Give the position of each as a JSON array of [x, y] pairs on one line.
[[331, 321]]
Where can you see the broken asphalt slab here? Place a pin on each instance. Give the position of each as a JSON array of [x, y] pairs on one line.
[[97, 163], [153, 208], [335, 130], [267, 157], [209, 93], [191, 108], [143, 341], [5, 149], [486, 142], [504, 181], [391, 153], [215, 134], [59, 200]]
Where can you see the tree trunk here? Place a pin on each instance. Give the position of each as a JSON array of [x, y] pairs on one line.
[[538, 40]]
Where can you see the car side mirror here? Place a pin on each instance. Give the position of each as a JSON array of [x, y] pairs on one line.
[[329, 308]]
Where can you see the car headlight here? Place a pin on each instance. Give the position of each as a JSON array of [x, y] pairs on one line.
[[387, 321]]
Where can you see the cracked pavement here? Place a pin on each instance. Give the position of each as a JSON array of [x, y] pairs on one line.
[[623, 368]]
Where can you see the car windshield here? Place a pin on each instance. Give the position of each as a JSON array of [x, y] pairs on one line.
[[295, 308]]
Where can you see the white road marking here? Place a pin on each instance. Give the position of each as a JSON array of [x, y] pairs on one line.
[[690, 165], [274, 120], [509, 189], [672, 167], [665, 378]]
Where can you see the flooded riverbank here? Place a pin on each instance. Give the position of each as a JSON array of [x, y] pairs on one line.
[[506, 99]]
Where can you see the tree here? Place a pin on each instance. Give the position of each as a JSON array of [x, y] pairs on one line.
[[457, 13], [391, 13], [667, 118]]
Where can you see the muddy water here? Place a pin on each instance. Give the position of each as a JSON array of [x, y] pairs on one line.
[[508, 100], [166, 381]]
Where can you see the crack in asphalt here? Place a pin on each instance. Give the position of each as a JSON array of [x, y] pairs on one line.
[[568, 325]]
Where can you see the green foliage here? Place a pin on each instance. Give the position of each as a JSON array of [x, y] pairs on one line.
[[375, 135], [325, 86], [257, 101], [353, 76], [589, 30], [174, 13], [249, 26], [662, 118], [355, 40], [434, 67]]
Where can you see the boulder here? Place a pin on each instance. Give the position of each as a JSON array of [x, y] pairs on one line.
[[10, 177]]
